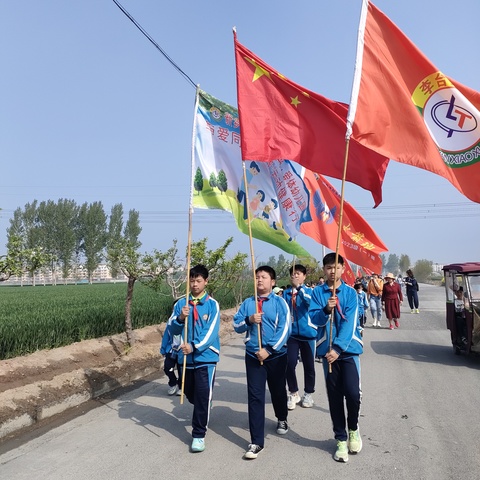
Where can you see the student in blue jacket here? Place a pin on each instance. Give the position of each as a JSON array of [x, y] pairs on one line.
[[265, 356], [169, 349], [302, 338], [343, 382], [202, 348]]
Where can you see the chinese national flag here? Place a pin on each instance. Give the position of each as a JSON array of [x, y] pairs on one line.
[[359, 242], [403, 107], [282, 120]]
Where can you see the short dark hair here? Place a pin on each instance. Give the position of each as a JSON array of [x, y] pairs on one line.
[[299, 268], [329, 259], [358, 286], [268, 269], [199, 271]]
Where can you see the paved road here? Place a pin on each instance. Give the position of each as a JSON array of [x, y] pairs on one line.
[[420, 419]]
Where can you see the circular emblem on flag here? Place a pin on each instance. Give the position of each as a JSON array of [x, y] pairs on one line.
[[451, 119]]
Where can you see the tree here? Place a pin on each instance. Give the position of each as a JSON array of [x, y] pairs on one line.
[[19, 260], [392, 263], [422, 270], [383, 258], [124, 252], [222, 182], [114, 235], [404, 262], [57, 224], [198, 180], [11, 264], [212, 181], [223, 272], [92, 223]]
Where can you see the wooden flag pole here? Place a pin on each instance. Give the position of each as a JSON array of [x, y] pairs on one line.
[[252, 256], [337, 247], [189, 242]]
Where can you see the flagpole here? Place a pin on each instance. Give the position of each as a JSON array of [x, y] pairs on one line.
[[252, 256], [189, 238], [339, 236]]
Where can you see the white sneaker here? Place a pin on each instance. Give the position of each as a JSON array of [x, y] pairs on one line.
[[292, 400], [378, 325], [374, 324], [307, 400], [172, 390]]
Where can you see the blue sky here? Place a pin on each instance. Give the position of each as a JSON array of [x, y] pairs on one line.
[[91, 111]]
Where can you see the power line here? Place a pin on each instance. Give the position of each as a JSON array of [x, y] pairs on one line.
[[157, 46]]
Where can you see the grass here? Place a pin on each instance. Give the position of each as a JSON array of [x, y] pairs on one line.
[[45, 317]]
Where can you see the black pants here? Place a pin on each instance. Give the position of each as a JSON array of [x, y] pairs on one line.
[[199, 390], [169, 365], [307, 351], [343, 387], [272, 372], [412, 296]]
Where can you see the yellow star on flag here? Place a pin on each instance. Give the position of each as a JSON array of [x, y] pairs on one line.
[[259, 71], [295, 101]]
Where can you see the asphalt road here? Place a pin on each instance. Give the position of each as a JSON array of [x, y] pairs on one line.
[[420, 419]]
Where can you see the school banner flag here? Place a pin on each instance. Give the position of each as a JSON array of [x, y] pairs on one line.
[[218, 180], [348, 276], [406, 109], [282, 120], [359, 242]]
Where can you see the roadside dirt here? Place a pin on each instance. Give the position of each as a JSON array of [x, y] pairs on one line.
[[32, 386]]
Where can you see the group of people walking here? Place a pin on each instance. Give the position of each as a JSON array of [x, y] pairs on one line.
[[303, 322], [385, 295]]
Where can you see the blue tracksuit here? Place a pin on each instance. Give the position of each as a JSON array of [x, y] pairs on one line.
[[343, 382], [302, 338], [275, 329], [202, 334]]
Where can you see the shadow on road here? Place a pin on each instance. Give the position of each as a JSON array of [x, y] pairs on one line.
[[423, 352]]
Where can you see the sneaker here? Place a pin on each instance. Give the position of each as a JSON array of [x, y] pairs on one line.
[[282, 427], [417, 310], [307, 400], [391, 327], [341, 454], [412, 311], [253, 451], [374, 324], [172, 390], [292, 400], [354, 441], [198, 445], [179, 391], [378, 325], [397, 325]]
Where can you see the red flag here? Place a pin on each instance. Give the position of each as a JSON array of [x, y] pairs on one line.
[[282, 120], [348, 277], [403, 107], [359, 242]]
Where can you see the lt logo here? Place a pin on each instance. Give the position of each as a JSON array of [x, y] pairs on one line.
[[451, 120]]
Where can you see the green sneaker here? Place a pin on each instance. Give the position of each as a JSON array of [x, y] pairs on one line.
[[341, 454], [354, 441], [198, 445]]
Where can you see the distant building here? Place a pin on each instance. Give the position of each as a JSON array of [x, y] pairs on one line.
[[77, 275]]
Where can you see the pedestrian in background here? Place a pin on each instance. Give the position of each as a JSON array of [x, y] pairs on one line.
[[392, 298], [374, 294], [411, 285]]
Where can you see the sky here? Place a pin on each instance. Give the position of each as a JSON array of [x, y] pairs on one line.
[[92, 111]]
